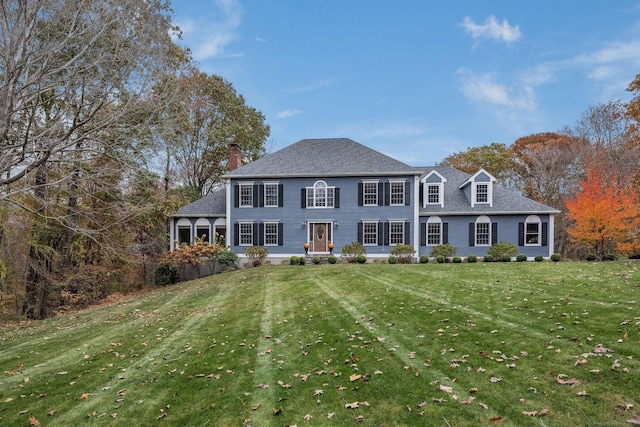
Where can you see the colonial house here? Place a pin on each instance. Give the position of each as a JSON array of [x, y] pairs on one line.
[[326, 193]]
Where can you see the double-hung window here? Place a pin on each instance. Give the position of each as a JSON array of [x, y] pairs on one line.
[[271, 233], [483, 233], [246, 233], [246, 195], [370, 232], [370, 193], [271, 194], [396, 232], [533, 231], [482, 193], [434, 233], [396, 188], [433, 194]]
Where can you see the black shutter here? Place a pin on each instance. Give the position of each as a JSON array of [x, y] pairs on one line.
[[445, 233], [303, 198], [360, 194], [407, 232], [236, 196], [236, 234], [494, 233], [336, 198], [545, 234], [472, 234], [387, 194], [521, 234], [380, 194], [360, 232], [280, 234], [256, 234], [423, 234], [421, 194], [260, 195], [407, 193], [261, 234], [280, 195], [383, 233], [256, 195]]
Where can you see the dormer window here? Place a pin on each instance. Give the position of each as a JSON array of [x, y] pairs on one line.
[[482, 193], [479, 188], [433, 189]]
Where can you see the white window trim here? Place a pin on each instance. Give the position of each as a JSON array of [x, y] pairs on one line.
[[403, 223], [474, 193], [434, 220], [240, 224], [264, 194], [533, 219], [425, 196], [482, 220], [403, 194], [364, 223], [364, 193], [245, 184], [326, 196], [264, 237]]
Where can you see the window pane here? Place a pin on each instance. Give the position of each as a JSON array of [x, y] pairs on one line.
[[370, 235], [433, 234], [433, 194], [370, 193], [483, 234], [397, 193], [271, 233], [246, 195], [246, 234], [396, 233], [532, 233], [482, 193], [271, 195]]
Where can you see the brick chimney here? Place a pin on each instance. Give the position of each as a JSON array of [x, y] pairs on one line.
[[235, 157]]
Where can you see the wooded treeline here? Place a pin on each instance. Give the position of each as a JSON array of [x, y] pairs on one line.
[[590, 172], [107, 127]]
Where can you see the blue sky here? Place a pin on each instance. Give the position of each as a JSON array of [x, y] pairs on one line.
[[416, 79]]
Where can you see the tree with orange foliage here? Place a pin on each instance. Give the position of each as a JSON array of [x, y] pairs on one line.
[[605, 215]]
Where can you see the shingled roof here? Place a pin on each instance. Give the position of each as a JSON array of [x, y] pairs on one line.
[[323, 157], [456, 203], [215, 204]]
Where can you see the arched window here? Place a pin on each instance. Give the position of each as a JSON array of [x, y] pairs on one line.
[[532, 231], [184, 231], [320, 195], [483, 231], [203, 230]]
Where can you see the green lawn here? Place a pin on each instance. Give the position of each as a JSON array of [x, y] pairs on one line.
[[540, 344]]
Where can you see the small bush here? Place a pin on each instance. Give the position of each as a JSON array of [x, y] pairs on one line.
[[403, 253], [590, 257], [500, 249], [165, 275], [555, 257], [316, 260], [521, 258], [609, 257], [361, 259], [229, 259], [538, 258], [446, 250], [332, 259], [302, 260], [505, 258], [352, 250], [440, 259], [256, 255], [294, 260], [456, 260], [472, 259], [487, 258], [424, 259], [393, 259]]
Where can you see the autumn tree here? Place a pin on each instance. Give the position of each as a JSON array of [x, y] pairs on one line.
[[495, 158], [633, 113], [605, 215], [207, 115], [74, 84]]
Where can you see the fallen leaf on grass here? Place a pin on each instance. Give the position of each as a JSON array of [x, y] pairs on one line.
[[530, 413], [354, 405], [256, 406], [307, 417], [276, 411], [495, 379], [34, 421], [446, 389], [496, 419], [85, 395], [355, 377], [571, 381], [635, 422]]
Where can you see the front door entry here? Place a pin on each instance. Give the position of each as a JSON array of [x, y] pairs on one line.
[[320, 236]]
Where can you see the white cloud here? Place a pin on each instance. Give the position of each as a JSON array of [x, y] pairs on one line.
[[288, 113], [211, 38], [492, 30], [485, 89]]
